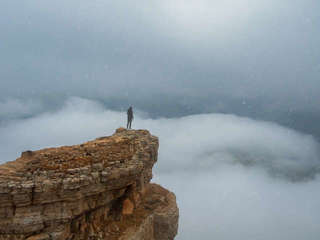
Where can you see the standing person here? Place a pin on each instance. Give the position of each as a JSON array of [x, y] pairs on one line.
[[130, 117]]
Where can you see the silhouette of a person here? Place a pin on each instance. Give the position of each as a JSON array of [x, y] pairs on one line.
[[130, 117]]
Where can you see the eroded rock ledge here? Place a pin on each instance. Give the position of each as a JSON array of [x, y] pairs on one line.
[[96, 190]]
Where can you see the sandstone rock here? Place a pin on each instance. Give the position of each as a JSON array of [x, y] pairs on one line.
[[96, 190], [42, 236], [127, 207]]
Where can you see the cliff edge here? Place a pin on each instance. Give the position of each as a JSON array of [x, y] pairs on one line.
[[98, 190]]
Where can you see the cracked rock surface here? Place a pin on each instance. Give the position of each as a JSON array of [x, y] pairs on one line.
[[96, 190]]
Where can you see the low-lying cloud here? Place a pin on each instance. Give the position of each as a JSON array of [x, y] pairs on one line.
[[17, 108], [235, 178], [205, 141]]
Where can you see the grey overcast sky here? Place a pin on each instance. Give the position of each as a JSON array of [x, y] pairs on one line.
[[188, 51], [259, 59]]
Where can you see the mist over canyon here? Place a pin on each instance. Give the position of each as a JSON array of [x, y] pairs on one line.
[[258, 178]]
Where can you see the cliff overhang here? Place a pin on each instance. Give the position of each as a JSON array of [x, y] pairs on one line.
[[97, 190]]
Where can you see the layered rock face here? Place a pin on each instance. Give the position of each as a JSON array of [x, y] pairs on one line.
[[96, 190]]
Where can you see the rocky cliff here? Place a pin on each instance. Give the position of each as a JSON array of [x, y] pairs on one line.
[[96, 190]]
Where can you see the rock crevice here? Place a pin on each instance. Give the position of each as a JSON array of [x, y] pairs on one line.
[[97, 190]]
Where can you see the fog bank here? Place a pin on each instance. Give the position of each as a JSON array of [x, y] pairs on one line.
[[257, 178]]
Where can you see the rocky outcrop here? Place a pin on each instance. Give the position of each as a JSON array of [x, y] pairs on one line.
[[96, 190]]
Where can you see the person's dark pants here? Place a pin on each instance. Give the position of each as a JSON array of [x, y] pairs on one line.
[[129, 123]]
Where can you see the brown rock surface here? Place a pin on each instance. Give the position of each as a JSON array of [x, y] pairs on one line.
[[96, 190]]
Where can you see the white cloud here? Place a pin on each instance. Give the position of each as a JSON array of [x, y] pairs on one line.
[[12, 108], [203, 141], [235, 202], [232, 175], [208, 18]]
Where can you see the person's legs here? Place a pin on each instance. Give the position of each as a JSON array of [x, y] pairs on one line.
[[130, 124]]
